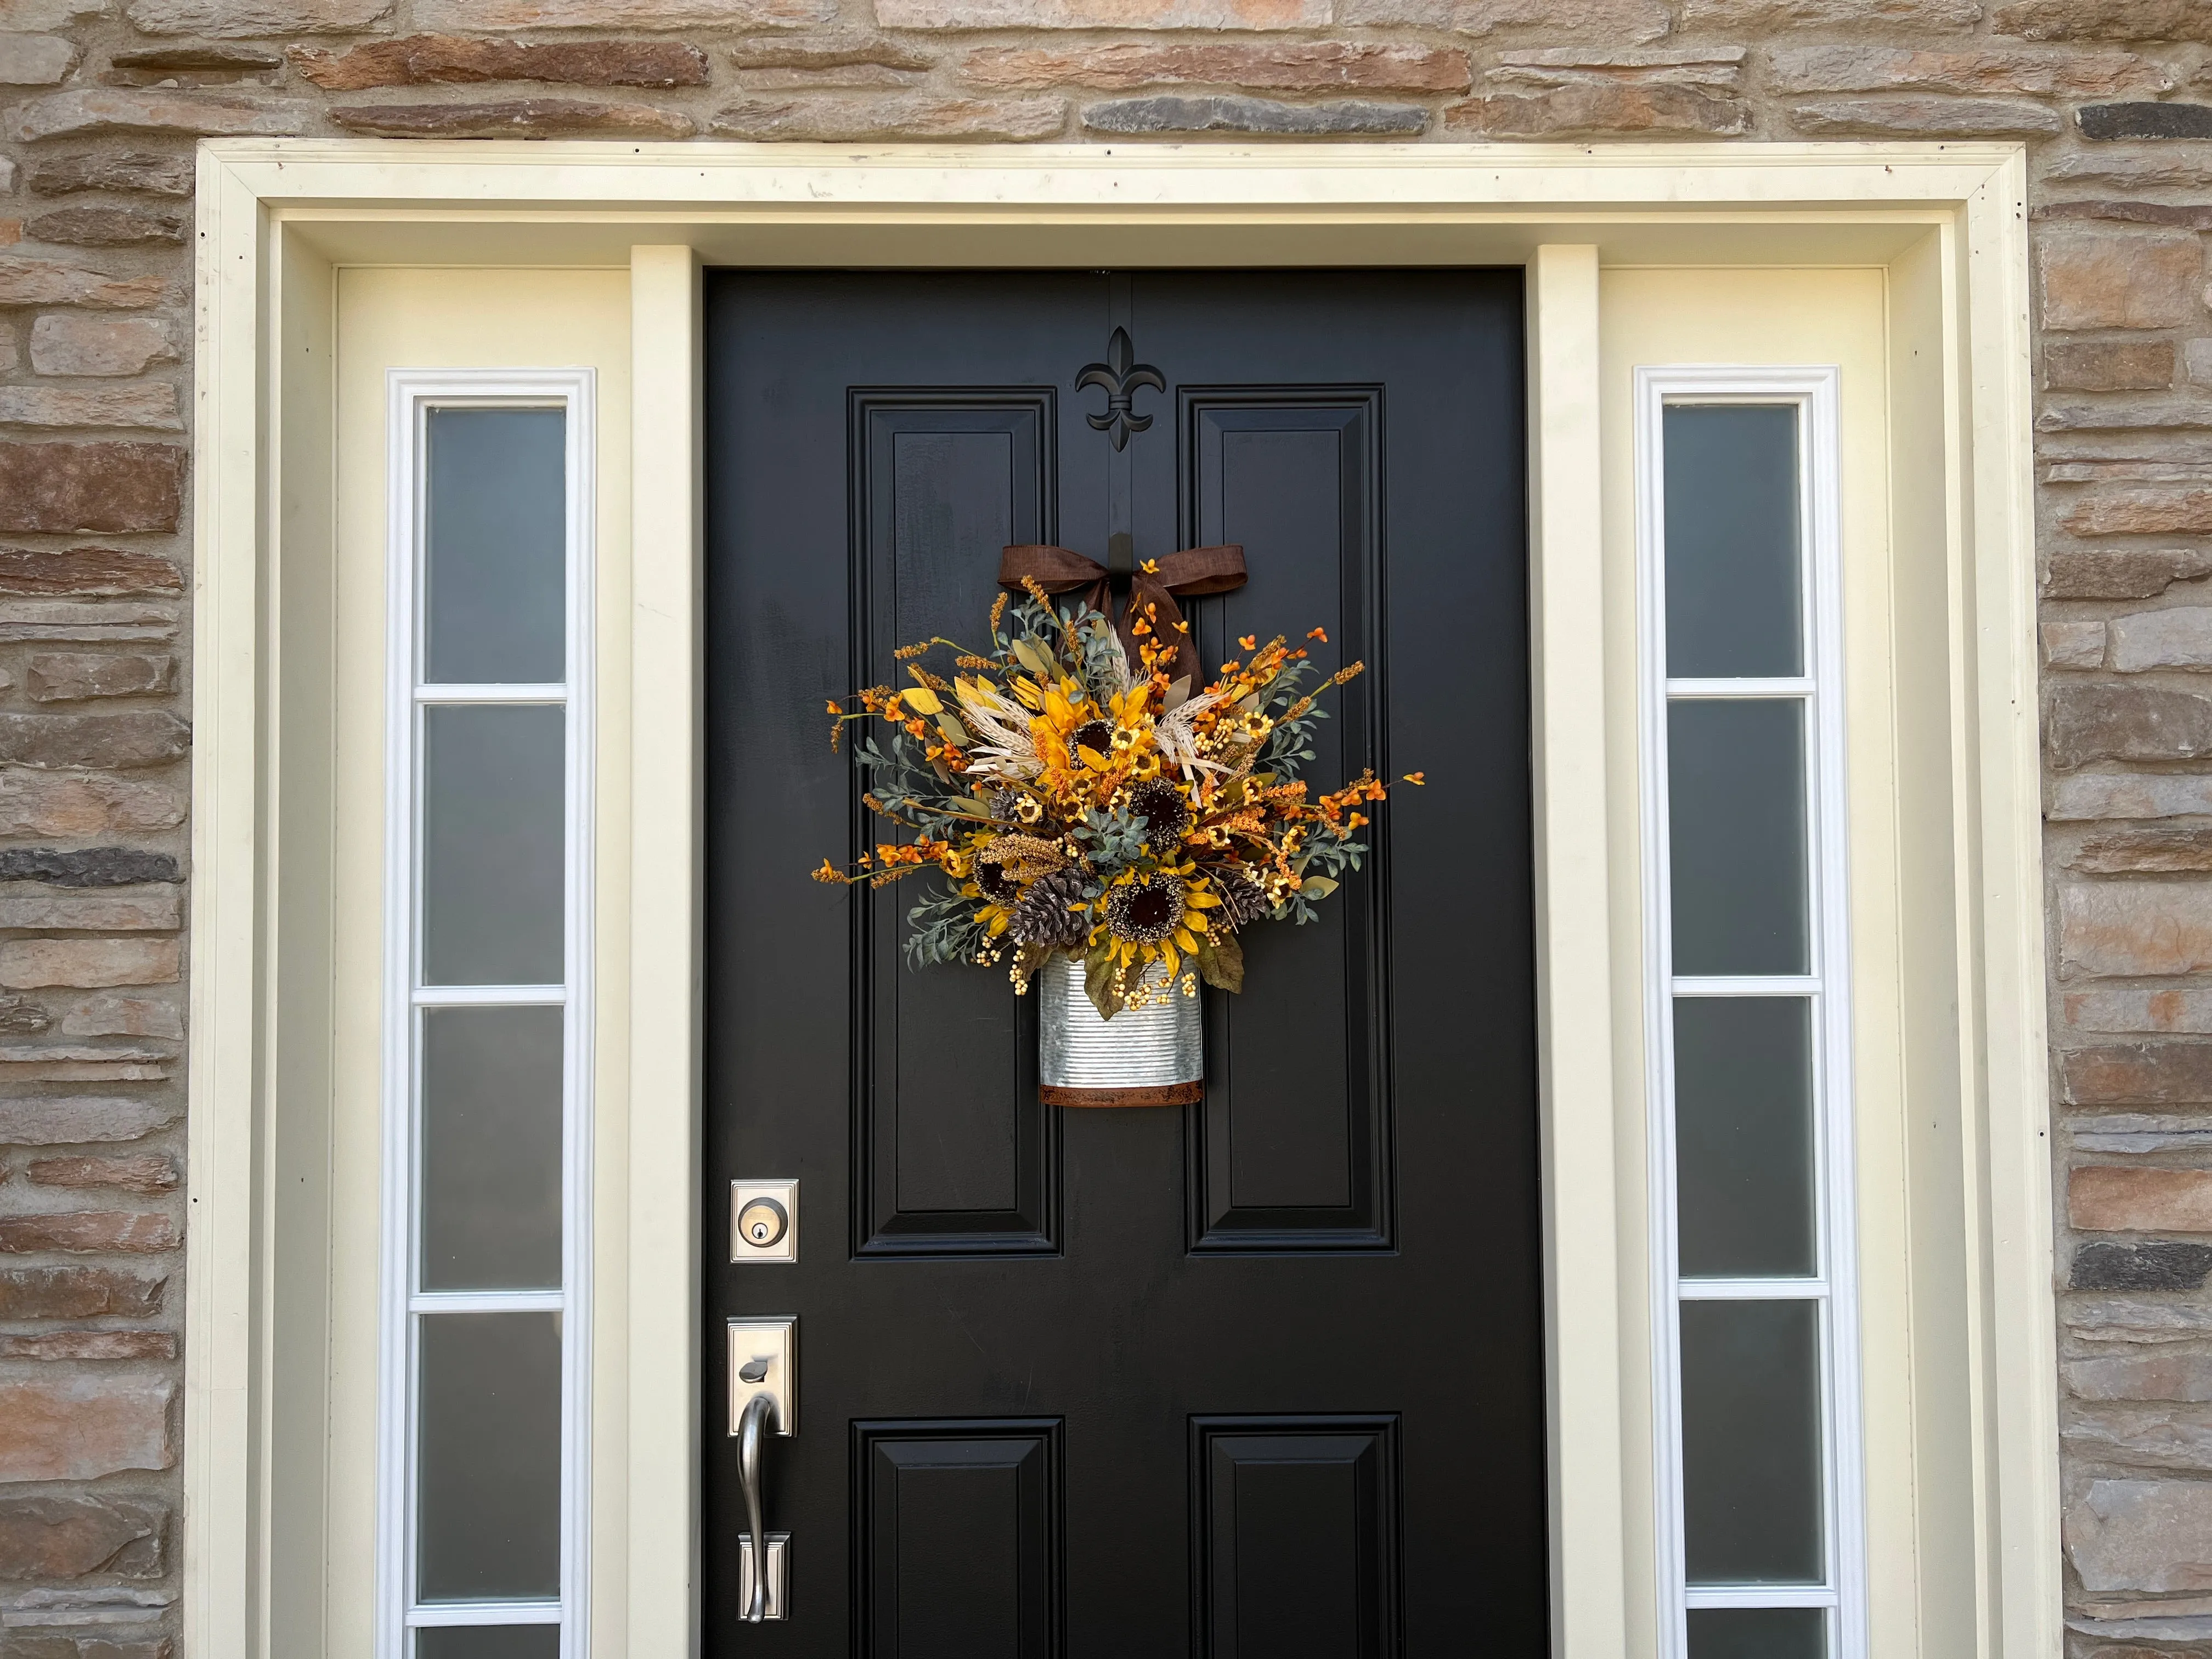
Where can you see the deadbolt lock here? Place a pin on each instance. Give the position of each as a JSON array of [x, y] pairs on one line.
[[763, 1221]]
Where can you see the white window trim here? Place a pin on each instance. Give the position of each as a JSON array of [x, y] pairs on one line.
[[1814, 392], [277, 219], [411, 395]]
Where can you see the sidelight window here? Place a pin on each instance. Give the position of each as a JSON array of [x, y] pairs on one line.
[[487, 1108], [1747, 1027]]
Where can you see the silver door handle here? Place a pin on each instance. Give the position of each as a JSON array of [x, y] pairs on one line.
[[760, 1413]]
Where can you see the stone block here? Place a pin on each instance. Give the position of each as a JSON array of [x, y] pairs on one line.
[[115, 909], [81, 344], [2161, 850], [156, 173], [2124, 574], [80, 1120], [2145, 120], [80, 1428], [1232, 112], [117, 109], [88, 1232], [2110, 279], [2104, 20], [141, 738], [35, 60], [106, 227], [29, 281], [88, 964], [152, 1173], [2188, 216], [2065, 645], [32, 15], [2140, 513], [461, 16], [86, 867], [830, 116], [2178, 638], [2096, 722], [89, 1345], [2137, 1074], [1614, 21], [2094, 1008], [74, 677], [2157, 1264], [868, 77], [2162, 1377], [518, 118], [87, 571], [429, 59], [2114, 1197], [56, 1536], [1276, 65], [1557, 66], [1754, 17], [2142, 1535], [257, 18], [152, 405], [2108, 365], [60, 620], [2131, 928], [1599, 107], [2028, 73], [1927, 117], [191, 63], [63, 488], [2188, 409], [1103, 13], [828, 49], [78, 1293], [2196, 359], [36, 1063], [2158, 1436], [33, 803], [141, 1017]]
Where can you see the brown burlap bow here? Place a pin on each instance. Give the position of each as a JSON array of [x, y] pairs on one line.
[[1153, 588]]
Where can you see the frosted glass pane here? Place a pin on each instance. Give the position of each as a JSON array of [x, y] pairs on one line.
[[1750, 1442], [492, 845], [488, 1642], [491, 1149], [1735, 792], [1743, 1137], [488, 1479], [1732, 541], [495, 568], [1758, 1633]]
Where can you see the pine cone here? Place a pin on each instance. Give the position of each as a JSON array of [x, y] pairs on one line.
[[1046, 914], [1242, 899]]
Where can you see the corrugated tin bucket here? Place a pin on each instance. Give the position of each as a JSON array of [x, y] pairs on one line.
[[1154, 1055]]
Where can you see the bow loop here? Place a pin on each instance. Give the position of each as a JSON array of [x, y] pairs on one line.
[[1154, 587]]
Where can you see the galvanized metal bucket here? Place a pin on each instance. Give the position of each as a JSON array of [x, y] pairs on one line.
[[1154, 1055]]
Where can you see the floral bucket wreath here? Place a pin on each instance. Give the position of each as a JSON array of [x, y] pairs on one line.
[[1078, 805]]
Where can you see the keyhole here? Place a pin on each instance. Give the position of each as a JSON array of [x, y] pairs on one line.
[[762, 1223]]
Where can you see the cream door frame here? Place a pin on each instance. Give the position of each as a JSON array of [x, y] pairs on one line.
[[276, 218]]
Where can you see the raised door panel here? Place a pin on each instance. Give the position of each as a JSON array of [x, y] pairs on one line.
[[1296, 1531], [959, 1538], [1290, 1150], [952, 1153]]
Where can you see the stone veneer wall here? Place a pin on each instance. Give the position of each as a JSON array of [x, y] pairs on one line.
[[100, 101]]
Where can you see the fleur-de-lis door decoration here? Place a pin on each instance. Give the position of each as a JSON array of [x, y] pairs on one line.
[[1118, 377]]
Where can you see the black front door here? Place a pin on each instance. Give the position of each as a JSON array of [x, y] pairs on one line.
[[1259, 1377]]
